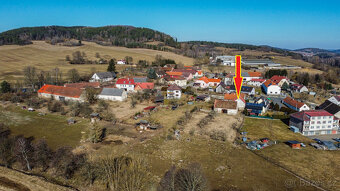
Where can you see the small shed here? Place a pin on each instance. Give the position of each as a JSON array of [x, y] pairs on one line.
[[95, 117], [294, 144], [148, 109], [264, 140], [159, 99], [204, 97], [294, 129], [71, 121], [143, 124]]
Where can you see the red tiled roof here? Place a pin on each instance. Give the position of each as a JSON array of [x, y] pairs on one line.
[[233, 97], [277, 79], [254, 74], [207, 80], [268, 83], [174, 87], [83, 85], [145, 85], [61, 91], [150, 108], [258, 80], [305, 115], [174, 73], [225, 104], [292, 102], [125, 81]]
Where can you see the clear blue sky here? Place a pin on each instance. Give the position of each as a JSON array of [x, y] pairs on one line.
[[286, 24]]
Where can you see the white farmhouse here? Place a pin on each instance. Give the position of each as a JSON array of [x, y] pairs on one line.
[[113, 94], [120, 62], [271, 88], [126, 83], [174, 92], [103, 77]]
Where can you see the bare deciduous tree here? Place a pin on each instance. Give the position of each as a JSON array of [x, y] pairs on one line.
[[30, 74], [42, 154], [125, 174], [191, 178], [185, 179], [24, 151]]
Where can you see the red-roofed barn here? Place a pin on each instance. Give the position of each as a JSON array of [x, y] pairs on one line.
[[61, 93]]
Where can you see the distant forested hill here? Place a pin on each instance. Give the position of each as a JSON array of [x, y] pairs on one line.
[[127, 36]]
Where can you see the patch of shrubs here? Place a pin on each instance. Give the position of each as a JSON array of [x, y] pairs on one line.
[[55, 106], [81, 109], [203, 122]]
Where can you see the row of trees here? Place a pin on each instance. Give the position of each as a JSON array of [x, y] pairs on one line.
[[271, 73], [117, 173], [37, 155], [37, 78]]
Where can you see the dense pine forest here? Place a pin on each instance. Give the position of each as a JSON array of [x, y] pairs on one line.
[[127, 36]]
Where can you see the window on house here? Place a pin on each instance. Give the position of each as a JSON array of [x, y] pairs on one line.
[[318, 127], [311, 127], [329, 121], [312, 122]]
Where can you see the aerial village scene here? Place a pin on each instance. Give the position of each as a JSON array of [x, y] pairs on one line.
[[92, 100]]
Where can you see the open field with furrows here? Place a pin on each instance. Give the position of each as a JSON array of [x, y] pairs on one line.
[[14, 58], [51, 127], [322, 167]]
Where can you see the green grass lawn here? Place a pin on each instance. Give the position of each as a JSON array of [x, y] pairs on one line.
[[272, 129], [53, 128]]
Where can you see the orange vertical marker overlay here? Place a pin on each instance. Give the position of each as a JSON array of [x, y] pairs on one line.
[[238, 79]]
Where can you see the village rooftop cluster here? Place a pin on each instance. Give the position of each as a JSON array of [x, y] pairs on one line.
[[172, 82]]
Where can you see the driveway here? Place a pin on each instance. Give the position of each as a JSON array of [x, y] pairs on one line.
[[277, 100], [325, 137]]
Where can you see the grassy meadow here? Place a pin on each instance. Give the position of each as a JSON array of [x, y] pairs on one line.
[[13, 58], [51, 127], [320, 166]]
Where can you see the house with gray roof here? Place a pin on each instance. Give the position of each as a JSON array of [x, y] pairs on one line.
[[113, 94], [140, 79], [103, 77]]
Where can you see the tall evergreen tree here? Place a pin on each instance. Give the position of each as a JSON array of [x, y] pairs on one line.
[[5, 87], [152, 73], [112, 66]]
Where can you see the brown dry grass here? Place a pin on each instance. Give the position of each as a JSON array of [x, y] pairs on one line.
[[317, 165], [26, 181], [123, 110], [14, 58]]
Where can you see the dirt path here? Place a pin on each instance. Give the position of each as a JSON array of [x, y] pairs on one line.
[[6, 184], [14, 180]]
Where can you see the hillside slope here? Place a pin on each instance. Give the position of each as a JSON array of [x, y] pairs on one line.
[[127, 36], [44, 56]]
